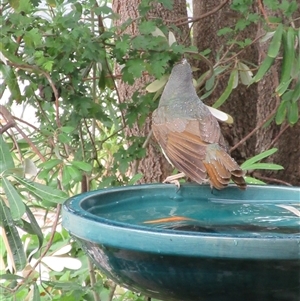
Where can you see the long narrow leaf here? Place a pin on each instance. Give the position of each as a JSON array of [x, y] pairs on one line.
[[34, 226], [14, 244], [258, 157], [43, 192], [16, 205], [6, 160], [250, 180], [231, 85], [263, 69], [36, 293], [269, 166]]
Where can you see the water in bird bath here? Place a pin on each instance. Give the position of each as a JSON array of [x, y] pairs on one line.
[[207, 215]]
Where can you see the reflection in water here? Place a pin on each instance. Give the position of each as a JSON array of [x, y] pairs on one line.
[[211, 215]]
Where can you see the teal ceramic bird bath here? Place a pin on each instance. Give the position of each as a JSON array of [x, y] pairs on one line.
[[193, 244]]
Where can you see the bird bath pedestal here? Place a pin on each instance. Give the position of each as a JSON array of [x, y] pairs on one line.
[[192, 244]]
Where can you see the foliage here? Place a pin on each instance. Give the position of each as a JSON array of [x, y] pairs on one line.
[[59, 57]]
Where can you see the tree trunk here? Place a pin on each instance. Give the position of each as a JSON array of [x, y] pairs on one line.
[[249, 106], [154, 167]]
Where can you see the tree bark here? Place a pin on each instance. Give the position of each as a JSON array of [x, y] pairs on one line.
[[249, 106], [154, 167]]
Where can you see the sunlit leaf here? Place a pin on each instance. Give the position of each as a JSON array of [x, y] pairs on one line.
[[172, 38], [258, 157], [29, 167], [268, 166], [82, 165], [157, 84], [157, 32], [224, 117], [250, 180], [245, 73]]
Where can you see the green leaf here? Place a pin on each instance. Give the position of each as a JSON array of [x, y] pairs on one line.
[[11, 277], [157, 84], [43, 192], [135, 178], [292, 113], [210, 83], [83, 165], [74, 173], [102, 80], [50, 164], [245, 73], [296, 92], [167, 4], [63, 138], [48, 65], [34, 227], [263, 69], [282, 87], [269, 166], [15, 201], [228, 90], [147, 27], [281, 112], [275, 44], [14, 242], [14, 3], [133, 70], [224, 31], [288, 61], [11, 81], [258, 157], [253, 181], [6, 160], [36, 293], [66, 177]]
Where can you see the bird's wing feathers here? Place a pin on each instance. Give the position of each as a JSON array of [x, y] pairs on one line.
[[194, 150], [184, 149]]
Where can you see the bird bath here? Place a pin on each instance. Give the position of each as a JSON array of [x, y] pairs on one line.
[[193, 244]]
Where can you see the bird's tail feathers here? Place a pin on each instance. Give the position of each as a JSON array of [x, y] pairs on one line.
[[221, 168]]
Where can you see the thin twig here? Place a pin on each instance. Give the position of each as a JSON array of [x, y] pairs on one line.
[[277, 136], [27, 123], [9, 119], [193, 20], [112, 291], [253, 131], [147, 139], [271, 179], [210, 65], [93, 280], [261, 7]]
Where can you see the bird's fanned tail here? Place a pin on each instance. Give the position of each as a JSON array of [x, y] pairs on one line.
[[221, 168]]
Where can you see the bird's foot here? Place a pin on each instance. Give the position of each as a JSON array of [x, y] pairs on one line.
[[174, 179]]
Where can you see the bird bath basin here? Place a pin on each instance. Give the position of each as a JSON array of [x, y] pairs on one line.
[[192, 244]]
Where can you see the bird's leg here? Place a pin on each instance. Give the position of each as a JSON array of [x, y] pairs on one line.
[[174, 179]]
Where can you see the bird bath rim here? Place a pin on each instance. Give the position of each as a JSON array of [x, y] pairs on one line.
[[85, 225]]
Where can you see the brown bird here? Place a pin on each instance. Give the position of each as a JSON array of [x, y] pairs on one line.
[[190, 135]]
